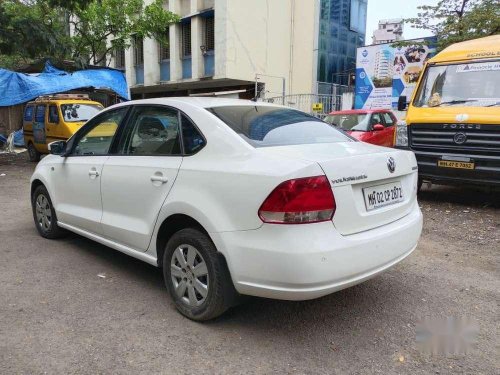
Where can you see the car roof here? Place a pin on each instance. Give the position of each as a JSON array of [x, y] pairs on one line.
[[360, 111], [201, 102]]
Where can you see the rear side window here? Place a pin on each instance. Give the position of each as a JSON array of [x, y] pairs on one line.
[[28, 113], [53, 114], [266, 126], [192, 138], [40, 113]]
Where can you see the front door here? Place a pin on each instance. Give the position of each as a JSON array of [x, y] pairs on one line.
[[77, 177], [137, 179]]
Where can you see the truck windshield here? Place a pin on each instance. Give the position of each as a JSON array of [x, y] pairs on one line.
[[78, 112], [472, 84]]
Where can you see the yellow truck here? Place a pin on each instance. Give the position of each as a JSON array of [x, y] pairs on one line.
[[452, 122], [53, 118]]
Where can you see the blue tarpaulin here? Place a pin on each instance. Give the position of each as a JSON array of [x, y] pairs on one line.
[[18, 88]]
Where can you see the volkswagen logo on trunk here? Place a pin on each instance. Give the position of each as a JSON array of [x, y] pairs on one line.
[[391, 164], [460, 138]]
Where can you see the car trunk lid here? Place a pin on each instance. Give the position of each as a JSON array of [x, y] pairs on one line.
[[356, 170]]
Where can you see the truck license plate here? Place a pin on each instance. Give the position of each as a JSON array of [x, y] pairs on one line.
[[455, 164]]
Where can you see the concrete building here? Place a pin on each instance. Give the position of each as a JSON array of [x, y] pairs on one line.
[[221, 47], [388, 31]]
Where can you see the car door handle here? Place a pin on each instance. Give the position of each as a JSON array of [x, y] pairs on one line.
[[93, 172], [159, 178]]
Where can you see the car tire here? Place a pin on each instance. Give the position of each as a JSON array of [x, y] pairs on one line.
[[33, 153], [188, 254], [44, 214]]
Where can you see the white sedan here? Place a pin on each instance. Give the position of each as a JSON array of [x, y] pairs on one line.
[[231, 197]]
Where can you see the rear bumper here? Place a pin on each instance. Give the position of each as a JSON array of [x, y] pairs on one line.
[[300, 262]]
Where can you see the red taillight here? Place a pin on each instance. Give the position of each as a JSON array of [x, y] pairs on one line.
[[299, 201]]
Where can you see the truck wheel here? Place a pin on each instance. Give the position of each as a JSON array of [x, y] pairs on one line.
[[33, 153]]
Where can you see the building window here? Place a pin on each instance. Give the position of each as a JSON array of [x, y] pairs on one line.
[[164, 46], [209, 33], [120, 58], [186, 39], [358, 15], [138, 45]]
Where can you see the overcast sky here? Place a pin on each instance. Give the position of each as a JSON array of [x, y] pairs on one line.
[[383, 9]]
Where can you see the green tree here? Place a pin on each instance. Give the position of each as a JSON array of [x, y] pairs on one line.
[[86, 31], [31, 30], [103, 26], [453, 21]]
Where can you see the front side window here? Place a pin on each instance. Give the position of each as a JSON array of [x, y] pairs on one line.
[[266, 126], [389, 121], [473, 84], [97, 138], [79, 112], [53, 115], [376, 120], [151, 131]]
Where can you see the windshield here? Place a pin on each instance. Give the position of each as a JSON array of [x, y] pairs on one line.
[[475, 85], [78, 112], [356, 122], [265, 126]]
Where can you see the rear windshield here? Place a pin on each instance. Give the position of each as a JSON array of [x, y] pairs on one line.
[[265, 126]]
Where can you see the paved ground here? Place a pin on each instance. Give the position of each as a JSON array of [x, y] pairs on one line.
[[58, 316]]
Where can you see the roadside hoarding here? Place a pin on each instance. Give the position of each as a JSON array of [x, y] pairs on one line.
[[384, 72]]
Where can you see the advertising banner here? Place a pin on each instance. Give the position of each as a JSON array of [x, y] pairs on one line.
[[384, 72]]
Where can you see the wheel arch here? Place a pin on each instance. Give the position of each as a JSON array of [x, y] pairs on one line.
[[34, 184], [170, 226]]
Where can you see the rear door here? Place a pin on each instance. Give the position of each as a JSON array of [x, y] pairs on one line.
[[137, 178], [39, 134]]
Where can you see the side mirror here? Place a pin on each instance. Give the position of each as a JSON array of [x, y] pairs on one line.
[[378, 127], [402, 103], [57, 148]]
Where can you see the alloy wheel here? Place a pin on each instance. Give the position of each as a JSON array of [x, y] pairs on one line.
[[189, 275], [43, 212]]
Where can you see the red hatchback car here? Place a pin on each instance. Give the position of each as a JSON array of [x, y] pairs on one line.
[[371, 125]]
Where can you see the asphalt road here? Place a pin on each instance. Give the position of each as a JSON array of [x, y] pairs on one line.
[[58, 316]]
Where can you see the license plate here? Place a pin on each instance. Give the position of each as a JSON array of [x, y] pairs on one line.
[[455, 164], [383, 195]]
